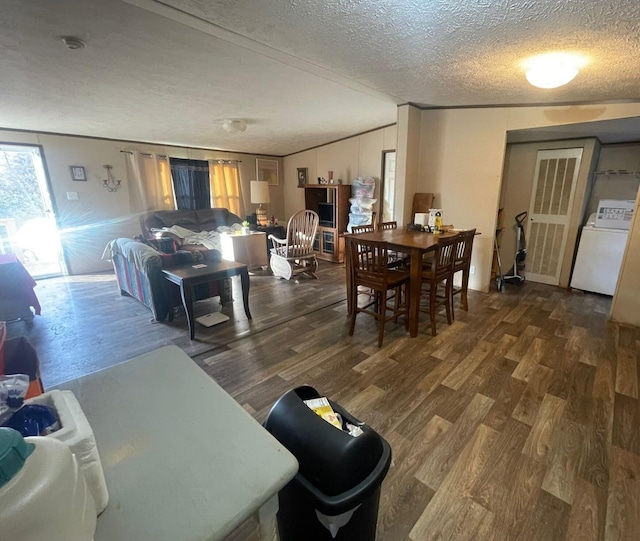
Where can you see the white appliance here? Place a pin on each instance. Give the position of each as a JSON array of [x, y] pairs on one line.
[[599, 258], [614, 213]]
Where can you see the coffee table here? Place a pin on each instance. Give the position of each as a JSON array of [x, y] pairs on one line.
[[187, 276]]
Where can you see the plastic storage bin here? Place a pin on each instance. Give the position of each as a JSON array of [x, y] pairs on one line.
[[42, 495], [336, 493], [76, 432]]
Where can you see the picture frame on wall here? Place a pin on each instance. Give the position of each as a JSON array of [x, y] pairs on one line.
[[78, 172], [303, 176], [267, 170]]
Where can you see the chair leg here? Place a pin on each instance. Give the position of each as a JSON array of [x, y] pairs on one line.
[[433, 289], [465, 286], [448, 295], [354, 311], [407, 296], [382, 312], [396, 304]]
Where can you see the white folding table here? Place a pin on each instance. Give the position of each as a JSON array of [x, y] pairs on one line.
[[182, 460]]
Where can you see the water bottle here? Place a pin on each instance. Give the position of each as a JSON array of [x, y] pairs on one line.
[[438, 222], [43, 494]]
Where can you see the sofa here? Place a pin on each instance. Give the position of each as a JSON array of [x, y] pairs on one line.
[[196, 220], [138, 267]]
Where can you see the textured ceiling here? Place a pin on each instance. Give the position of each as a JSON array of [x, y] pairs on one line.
[[301, 74], [447, 53]]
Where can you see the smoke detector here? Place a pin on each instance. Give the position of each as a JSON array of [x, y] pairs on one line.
[[73, 43]]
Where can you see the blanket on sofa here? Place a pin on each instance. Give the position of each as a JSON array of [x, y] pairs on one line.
[[142, 255], [208, 239]]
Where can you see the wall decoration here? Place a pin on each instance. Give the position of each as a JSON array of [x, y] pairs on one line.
[[303, 176], [78, 172], [267, 170]]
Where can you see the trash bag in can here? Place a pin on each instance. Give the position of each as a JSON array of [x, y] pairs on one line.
[[336, 492]]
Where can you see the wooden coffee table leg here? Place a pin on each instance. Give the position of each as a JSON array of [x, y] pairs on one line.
[[244, 279], [186, 292]]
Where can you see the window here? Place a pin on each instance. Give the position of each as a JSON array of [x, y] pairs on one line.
[[191, 183], [225, 186]]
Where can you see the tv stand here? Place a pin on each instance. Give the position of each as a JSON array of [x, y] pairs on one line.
[[329, 241]]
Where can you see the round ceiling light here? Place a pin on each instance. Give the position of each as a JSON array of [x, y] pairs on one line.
[[72, 42], [234, 126], [552, 70]]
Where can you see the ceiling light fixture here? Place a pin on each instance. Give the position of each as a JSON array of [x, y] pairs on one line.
[[234, 126], [552, 70], [73, 42]]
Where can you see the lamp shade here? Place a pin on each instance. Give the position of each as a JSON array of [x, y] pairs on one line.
[[259, 192]]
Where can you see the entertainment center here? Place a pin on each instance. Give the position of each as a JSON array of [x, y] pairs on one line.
[[331, 203]]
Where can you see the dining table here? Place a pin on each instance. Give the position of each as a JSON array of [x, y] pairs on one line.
[[413, 243]]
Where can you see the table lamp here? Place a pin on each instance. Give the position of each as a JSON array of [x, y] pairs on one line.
[[259, 195]]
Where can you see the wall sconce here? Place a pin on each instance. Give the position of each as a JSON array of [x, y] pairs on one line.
[[110, 183]]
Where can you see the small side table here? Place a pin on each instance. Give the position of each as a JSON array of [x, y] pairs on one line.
[[248, 249]]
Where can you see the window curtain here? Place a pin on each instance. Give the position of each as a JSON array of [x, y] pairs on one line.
[[150, 187], [225, 186], [137, 197], [191, 183]]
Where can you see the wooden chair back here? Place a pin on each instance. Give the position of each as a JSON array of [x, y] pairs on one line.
[[369, 263], [387, 225], [463, 249], [357, 229], [444, 259], [301, 232]]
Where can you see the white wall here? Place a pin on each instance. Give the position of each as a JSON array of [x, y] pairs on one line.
[[462, 157], [98, 216], [625, 307], [358, 156]]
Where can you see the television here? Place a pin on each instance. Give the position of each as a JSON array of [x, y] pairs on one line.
[[325, 213]]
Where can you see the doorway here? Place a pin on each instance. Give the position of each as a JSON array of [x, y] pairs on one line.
[[27, 223], [388, 186]]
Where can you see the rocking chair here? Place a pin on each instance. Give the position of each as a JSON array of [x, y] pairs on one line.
[[294, 254]]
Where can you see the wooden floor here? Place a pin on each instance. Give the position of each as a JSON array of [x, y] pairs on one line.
[[520, 421]]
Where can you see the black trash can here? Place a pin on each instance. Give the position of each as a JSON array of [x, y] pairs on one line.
[[336, 493]]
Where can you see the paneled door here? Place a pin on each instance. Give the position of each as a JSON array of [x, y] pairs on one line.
[[554, 185]]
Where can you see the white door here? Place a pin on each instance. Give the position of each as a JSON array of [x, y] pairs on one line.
[[27, 224], [554, 186]]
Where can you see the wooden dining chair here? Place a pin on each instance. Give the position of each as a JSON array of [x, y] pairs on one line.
[[438, 277], [356, 230], [462, 262], [369, 269]]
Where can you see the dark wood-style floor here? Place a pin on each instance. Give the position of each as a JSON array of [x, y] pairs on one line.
[[520, 421]]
